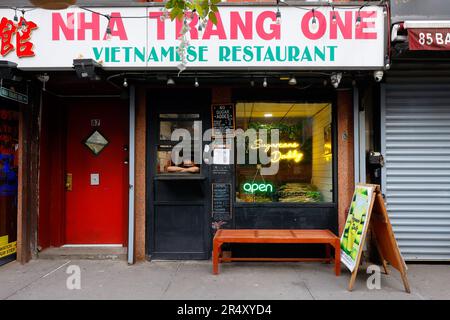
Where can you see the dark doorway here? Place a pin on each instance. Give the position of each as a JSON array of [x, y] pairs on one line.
[[178, 189]]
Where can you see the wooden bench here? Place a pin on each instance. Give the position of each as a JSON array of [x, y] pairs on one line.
[[276, 236]]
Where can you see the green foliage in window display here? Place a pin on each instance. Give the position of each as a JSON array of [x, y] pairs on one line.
[[299, 192], [287, 131]]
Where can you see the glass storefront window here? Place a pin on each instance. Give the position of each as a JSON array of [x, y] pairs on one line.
[[305, 173], [168, 122]]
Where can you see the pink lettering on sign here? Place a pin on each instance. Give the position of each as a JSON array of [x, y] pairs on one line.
[[215, 30], [361, 32], [66, 26], [245, 28], [117, 27], [84, 25], [192, 25], [345, 26], [160, 25], [320, 23], [275, 29], [246, 25], [75, 27]]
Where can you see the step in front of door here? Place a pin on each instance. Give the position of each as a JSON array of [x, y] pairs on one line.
[[84, 253]]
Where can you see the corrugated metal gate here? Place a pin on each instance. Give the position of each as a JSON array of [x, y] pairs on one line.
[[415, 129]]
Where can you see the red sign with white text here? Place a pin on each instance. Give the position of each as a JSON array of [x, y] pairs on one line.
[[429, 39]]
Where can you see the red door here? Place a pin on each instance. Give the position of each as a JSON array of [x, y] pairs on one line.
[[97, 173]]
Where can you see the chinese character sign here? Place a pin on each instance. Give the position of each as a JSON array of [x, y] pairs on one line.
[[16, 36]]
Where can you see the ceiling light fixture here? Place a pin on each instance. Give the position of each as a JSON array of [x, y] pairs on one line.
[[292, 81], [267, 115], [196, 84], [336, 78], [265, 82], [87, 68], [170, 82]]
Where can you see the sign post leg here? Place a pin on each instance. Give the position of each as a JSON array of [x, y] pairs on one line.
[[353, 279], [405, 281]]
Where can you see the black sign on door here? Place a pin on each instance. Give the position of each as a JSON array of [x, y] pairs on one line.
[[221, 201], [222, 118]]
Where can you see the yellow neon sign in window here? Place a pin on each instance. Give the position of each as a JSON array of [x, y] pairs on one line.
[[276, 156]]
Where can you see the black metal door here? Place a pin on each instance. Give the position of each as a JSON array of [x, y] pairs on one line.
[[178, 219]]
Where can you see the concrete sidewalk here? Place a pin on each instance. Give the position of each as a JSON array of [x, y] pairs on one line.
[[46, 279]]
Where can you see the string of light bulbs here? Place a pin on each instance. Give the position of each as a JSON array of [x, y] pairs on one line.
[[328, 4], [22, 11], [202, 22]]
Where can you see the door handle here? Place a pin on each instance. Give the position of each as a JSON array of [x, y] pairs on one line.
[[68, 182]]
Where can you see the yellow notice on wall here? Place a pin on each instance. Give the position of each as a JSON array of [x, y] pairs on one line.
[[4, 240], [8, 249]]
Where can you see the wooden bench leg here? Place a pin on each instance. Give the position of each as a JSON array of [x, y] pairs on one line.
[[215, 258], [328, 252], [337, 258]]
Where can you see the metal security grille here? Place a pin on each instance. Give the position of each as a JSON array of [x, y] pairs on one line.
[[415, 128]]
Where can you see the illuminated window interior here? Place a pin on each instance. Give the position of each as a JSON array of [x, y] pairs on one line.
[[304, 153]]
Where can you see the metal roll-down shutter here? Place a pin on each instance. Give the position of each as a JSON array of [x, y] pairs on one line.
[[415, 135]]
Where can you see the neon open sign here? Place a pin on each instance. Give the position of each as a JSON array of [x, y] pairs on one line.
[[257, 187]]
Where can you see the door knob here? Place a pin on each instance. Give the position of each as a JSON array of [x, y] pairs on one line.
[[68, 182]]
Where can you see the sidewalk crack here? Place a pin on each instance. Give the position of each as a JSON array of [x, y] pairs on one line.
[[171, 279], [35, 280], [309, 291]]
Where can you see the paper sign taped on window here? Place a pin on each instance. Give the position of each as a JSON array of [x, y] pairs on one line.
[[222, 156]]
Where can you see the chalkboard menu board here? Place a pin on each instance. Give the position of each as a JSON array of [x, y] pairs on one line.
[[222, 171], [222, 118], [221, 201]]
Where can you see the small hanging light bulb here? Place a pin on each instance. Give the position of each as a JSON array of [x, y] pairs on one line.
[[24, 22], [108, 29], [196, 84], [108, 33], [278, 16], [265, 82], [200, 30], [188, 17], [358, 20], [314, 22], [16, 18], [164, 14], [125, 82], [333, 16]]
